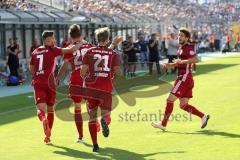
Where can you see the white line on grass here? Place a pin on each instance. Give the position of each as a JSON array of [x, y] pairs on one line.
[[30, 107], [16, 110]]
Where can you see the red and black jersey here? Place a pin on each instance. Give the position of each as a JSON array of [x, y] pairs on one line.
[[185, 52]]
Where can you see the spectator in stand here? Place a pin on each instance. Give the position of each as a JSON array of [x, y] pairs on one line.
[[130, 57], [143, 50], [173, 46], [13, 61], [212, 43], [154, 53]]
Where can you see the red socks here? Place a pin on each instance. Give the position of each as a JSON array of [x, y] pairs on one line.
[[192, 110], [93, 130], [79, 122], [168, 112], [50, 117], [107, 118], [41, 114]]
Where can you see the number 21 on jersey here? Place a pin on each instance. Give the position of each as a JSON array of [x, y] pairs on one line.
[[99, 59]]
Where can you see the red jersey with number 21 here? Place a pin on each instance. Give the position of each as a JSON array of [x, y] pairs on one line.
[[101, 62]]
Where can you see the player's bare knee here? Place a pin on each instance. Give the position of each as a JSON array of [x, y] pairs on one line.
[[50, 108], [182, 105], [41, 106], [105, 112], [77, 106], [171, 98], [93, 115]]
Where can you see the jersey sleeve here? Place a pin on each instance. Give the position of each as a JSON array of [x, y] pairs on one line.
[[192, 51], [67, 57], [57, 51]]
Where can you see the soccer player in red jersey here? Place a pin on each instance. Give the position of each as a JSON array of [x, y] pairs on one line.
[[101, 64], [184, 83], [75, 61], [42, 66], [76, 81]]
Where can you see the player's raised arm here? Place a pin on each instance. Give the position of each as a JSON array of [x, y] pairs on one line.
[[117, 40]]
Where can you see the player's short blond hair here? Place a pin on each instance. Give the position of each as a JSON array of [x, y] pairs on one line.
[[102, 34]]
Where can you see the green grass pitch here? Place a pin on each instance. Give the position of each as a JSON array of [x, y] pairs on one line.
[[217, 92]]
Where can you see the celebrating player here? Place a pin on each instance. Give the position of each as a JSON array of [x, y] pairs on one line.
[[184, 83], [102, 64], [76, 81], [42, 66]]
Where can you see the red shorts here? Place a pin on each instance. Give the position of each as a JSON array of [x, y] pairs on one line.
[[44, 94], [75, 84], [183, 86], [98, 98], [76, 97]]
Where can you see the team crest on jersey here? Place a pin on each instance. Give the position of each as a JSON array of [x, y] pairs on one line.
[[192, 52]]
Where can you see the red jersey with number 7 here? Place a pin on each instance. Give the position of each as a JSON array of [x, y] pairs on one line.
[[101, 62], [44, 61], [75, 59]]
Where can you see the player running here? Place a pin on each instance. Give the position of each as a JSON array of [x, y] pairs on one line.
[[75, 61], [76, 81], [102, 64], [42, 66], [184, 83]]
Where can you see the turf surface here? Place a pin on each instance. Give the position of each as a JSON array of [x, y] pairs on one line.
[[131, 135]]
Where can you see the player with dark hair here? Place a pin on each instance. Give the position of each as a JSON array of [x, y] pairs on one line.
[[76, 82], [42, 66], [184, 83]]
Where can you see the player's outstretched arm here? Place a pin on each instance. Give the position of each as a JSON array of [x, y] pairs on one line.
[[62, 71], [116, 41], [169, 65], [72, 48], [187, 61]]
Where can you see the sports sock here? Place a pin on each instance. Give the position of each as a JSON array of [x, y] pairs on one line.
[[168, 112], [50, 117], [93, 131], [79, 122], [192, 110]]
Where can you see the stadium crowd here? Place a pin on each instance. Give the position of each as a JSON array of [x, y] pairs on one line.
[[17, 5], [136, 10]]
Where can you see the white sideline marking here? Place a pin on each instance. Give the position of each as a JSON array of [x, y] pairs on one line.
[[212, 57], [16, 110]]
